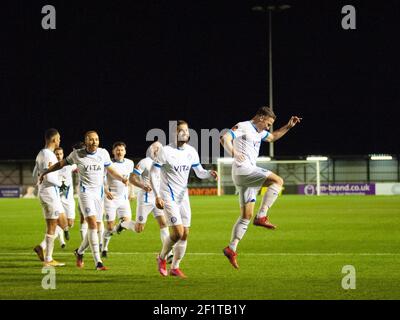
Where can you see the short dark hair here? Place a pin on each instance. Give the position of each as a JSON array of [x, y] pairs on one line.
[[266, 111], [180, 122], [50, 134], [119, 144], [89, 132], [59, 148]]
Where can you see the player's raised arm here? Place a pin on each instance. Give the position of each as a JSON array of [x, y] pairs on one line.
[[135, 180], [117, 175], [53, 179], [277, 134], [227, 142], [200, 171]]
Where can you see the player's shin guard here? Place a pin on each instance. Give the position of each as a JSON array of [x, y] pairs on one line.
[[167, 247], [179, 252], [238, 231], [268, 200], [49, 247], [164, 234], [94, 244], [83, 230]]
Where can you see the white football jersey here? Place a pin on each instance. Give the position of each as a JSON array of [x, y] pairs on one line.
[[115, 186], [65, 175], [175, 164], [44, 160], [90, 166], [143, 170], [247, 141]]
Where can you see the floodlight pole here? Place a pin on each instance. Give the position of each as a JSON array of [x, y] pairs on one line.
[[269, 10], [271, 101]]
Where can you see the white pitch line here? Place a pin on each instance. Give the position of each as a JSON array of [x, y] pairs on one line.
[[219, 254]]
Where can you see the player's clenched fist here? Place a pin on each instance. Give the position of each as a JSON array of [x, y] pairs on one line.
[[159, 203]]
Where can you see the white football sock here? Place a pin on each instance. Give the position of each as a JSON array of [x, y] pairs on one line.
[[106, 240], [49, 247], [84, 245], [179, 252], [94, 244], [130, 225], [83, 230], [238, 231], [43, 243], [167, 247], [100, 233], [268, 200], [60, 234], [164, 234]]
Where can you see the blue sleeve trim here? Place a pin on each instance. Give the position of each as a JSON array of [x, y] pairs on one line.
[[157, 165], [135, 171], [232, 134], [107, 164], [266, 136], [195, 165]]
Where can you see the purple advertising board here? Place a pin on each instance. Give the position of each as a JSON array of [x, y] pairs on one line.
[[338, 189], [10, 192]]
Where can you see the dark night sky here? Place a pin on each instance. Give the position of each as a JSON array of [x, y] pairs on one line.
[[124, 67]]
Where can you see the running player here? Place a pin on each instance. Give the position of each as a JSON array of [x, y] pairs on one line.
[[116, 202], [49, 196], [174, 162], [242, 142], [146, 200], [91, 162]]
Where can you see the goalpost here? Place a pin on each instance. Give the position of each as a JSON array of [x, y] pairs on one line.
[[293, 172]]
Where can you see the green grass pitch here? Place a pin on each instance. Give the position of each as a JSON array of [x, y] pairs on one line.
[[303, 259]]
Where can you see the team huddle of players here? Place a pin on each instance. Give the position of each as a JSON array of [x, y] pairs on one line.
[[162, 177]]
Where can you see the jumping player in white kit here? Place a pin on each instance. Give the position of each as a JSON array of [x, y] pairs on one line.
[[242, 142], [174, 163], [91, 162], [146, 201], [49, 196]]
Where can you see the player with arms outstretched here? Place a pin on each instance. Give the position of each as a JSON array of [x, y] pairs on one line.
[[242, 142], [173, 164]]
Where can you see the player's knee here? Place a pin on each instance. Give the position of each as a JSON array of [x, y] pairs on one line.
[[279, 181]]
